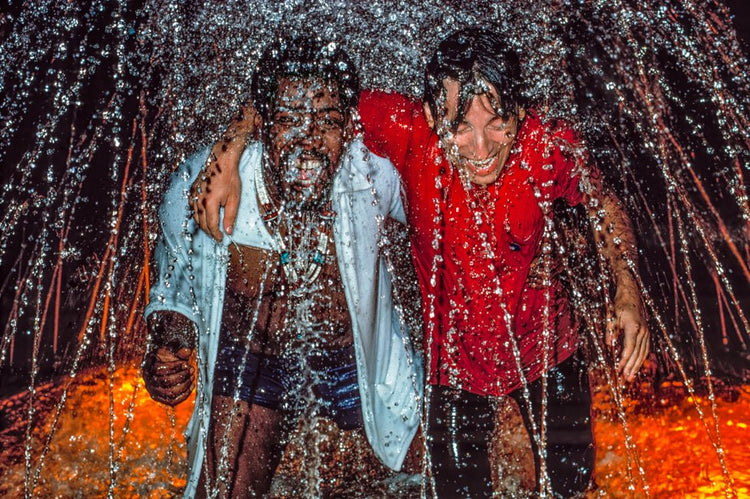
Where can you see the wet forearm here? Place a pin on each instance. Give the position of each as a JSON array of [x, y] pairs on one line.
[[171, 330], [628, 328], [239, 130], [615, 237]]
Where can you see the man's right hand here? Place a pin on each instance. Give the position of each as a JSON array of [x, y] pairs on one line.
[[219, 183], [169, 376]]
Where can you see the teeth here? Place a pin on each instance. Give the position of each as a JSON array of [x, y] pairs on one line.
[[481, 163], [310, 164]]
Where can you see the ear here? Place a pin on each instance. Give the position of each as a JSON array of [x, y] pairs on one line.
[[257, 126], [428, 115]]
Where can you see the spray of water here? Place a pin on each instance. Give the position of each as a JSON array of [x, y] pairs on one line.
[[101, 101]]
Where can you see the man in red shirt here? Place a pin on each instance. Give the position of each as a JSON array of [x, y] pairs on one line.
[[480, 173]]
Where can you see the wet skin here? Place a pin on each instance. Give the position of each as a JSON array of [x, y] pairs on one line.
[[273, 330], [308, 126], [168, 369], [305, 140], [480, 145], [482, 139]]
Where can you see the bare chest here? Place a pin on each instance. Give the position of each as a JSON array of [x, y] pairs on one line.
[[280, 301]]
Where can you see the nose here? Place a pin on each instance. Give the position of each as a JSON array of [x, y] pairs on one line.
[[310, 133], [480, 145]]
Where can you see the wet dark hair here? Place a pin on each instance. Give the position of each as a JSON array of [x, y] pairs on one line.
[[470, 56], [303, 57]]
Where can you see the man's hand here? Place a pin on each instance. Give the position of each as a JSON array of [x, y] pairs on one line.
[[219, 183], [169, 376], [629, 323], [168, 367]]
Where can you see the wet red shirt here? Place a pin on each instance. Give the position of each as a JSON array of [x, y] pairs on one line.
[[473, 248]]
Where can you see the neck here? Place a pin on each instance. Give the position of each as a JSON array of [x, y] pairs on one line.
[[271, 200], [309, 206]]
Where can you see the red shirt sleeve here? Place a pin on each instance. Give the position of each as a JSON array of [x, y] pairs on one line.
[[388, 120], [572, 165]]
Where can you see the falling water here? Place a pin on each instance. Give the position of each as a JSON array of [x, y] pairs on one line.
[[101, 101]]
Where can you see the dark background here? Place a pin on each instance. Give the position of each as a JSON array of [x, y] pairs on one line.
[[83, 164]]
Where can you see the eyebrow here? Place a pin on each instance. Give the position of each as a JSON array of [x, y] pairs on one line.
[[505, 121]]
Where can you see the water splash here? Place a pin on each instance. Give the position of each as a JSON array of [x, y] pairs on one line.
[[101, 101]]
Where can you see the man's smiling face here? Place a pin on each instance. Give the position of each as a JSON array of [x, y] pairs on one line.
[[480, 141], [305, 140]]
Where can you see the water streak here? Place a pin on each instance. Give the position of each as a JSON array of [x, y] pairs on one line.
[[101, 101]]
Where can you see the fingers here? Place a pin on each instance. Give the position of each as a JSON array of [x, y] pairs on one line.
[[206, 208], [206, 215], [164, 355], [159, 367], [167, 379], [164, 361], [230, 213], [218, 185], [629, 331], [184, 353], [639, 356], [169, 376], [212, 208], [173, 394], [158, 373], [635, 349], [198, 201], [171, 397], [199, 194]]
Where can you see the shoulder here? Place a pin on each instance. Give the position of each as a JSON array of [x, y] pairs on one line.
[[362, 169], [376, 168], [182, 178], [188, 169], [390, 108], [556, 140], [387, 100]]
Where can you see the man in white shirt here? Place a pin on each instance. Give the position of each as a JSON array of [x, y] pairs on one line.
[[294, 312]]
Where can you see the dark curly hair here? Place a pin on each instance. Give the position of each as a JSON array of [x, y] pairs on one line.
[[303, 57]]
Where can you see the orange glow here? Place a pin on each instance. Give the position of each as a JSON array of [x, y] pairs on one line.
[[673, 447]]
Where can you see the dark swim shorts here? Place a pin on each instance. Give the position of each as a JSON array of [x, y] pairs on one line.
[[327, 377]]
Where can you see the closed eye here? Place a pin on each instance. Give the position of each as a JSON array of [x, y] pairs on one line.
[[463, 127], [287, 119], [498, 124], [330, 121]]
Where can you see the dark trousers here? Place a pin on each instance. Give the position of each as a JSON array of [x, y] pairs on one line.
[[460, 425]]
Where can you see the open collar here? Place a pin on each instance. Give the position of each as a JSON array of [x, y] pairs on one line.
[[355, 171]]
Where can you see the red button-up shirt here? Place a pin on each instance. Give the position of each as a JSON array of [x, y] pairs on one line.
[[473, 248]]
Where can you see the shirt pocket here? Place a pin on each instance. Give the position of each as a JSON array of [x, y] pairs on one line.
[[523, 220]]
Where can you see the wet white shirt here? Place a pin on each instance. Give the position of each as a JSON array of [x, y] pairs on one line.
[[191, 280]]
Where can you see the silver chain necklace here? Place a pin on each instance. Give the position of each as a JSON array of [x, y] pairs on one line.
[[298, 269]]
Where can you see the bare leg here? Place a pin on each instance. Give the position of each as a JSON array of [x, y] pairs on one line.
[[243, 449]]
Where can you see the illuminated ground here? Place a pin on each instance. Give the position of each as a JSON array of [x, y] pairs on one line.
[[677, 457]]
